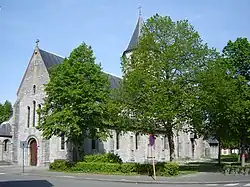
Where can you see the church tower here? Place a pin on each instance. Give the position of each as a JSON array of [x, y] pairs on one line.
[[134, 39]]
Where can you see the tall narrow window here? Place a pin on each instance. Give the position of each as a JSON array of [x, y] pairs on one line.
[[6, 145], [39, 113], [62, 142], [136, 140], [34, 89], [28, 117], [117, 140], [34, 113], [93, 144], [165, 142]]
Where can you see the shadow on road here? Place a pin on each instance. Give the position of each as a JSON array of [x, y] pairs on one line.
[[201, 167], [26, 183]]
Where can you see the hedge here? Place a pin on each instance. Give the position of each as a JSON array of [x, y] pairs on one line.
[[236, 169], [61, 165], [103, 158], [162, 169]]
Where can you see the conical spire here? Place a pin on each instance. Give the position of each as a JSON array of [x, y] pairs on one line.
[[137, 33]]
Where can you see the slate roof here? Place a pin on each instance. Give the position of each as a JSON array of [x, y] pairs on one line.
[[114, 81], [212, 141], [135, 37], [51, 59], [5, 130]]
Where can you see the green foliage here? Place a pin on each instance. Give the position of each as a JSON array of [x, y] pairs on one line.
[[237, 53], [103, 164], [61, 165], [158, 78], [76, 99], [236, 169], [93, 167], [103, 158], [128, 168], [6, 111], [229, 158], [212, 99]]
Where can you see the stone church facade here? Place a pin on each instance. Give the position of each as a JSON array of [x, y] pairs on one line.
[[132, 147]]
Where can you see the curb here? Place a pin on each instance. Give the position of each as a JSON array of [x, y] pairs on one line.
[[132, 181]]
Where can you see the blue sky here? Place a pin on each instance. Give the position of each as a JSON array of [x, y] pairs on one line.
[[106, 25]]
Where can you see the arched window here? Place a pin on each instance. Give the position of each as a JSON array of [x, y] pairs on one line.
[[136, 140], [39, 114], [165, 142], [117, 140], [5, 145], [34, 113], [28, 117], [62, 142], [93, 144], [34, 89]]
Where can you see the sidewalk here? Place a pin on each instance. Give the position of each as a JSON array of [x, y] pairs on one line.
[[198, 178]]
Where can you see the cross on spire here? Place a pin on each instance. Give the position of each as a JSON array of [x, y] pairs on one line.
[[37, 41], [139, 8]]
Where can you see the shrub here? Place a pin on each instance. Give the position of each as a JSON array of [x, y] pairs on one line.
[[229, 158], [162, 169], [171, 169], [128, 168], [60, 165], [236, 169], [95, 167], [103, 158]]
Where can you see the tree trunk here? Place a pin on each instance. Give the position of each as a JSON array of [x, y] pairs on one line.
[[219, 152], [170, 136], [243, 152]]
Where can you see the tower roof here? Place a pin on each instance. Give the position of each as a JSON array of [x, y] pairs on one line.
[[135, 37]]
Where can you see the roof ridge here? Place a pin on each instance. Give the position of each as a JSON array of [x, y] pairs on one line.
[[111, 74], [53, 53]]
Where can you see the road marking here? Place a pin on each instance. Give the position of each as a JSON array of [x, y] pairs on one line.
[[233, 184], [212, 184], [2, 173], [247, 184], [67, 176]]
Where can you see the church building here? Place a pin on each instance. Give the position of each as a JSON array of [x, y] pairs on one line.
[[19, 136]]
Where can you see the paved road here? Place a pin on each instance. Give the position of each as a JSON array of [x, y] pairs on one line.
[[40, 177], [13, 180]]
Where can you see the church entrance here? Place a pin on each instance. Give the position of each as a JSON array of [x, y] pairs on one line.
[[33, 152]]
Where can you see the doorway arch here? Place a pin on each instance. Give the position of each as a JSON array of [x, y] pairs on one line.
[[33, 151]]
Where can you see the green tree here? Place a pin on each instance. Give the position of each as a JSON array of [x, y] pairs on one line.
[[211, 115], [158, 77], [6, 111], [77, 99], [237, 54]]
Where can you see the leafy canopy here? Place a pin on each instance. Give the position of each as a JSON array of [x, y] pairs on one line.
[[6, 111], [158, 77], [76, 101]]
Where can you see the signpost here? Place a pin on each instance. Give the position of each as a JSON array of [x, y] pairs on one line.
[[152, 144], [23, 145]]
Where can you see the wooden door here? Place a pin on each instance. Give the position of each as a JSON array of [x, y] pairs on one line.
[[33, 152]]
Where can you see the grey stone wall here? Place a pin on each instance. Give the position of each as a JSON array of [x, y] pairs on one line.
[[36, 74]]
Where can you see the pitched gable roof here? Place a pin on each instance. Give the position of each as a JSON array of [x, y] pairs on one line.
[[50, 59]]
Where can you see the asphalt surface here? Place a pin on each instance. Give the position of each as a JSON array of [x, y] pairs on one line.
[[41, 177], [13, 180]]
